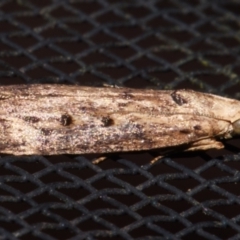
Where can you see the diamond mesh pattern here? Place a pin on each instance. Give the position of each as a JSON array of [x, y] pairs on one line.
[[159, 44]]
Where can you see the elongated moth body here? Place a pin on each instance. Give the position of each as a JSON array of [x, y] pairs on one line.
[[59, 119]]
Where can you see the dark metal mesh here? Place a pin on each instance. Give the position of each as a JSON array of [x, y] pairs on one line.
[[136, 43]]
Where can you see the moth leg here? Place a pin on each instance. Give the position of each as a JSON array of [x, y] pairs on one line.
[[156, 159], [98, 160], [205, 144]]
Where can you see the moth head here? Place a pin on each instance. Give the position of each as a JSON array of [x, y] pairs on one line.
[[236, 127]]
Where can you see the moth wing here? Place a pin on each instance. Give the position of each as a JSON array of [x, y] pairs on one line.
[[186, 129]]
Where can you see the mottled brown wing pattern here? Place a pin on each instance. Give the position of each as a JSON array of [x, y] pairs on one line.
[[57, 119]]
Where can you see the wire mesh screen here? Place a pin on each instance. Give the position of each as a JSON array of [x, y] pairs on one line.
[[161, 44]]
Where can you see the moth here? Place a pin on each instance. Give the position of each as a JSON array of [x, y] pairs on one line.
[[60, 119]]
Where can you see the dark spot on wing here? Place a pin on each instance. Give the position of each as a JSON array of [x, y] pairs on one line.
[[31, 119], [185, 131], [177, 98], [197, 127], [46, 131], [65, 120], [107, 121]]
